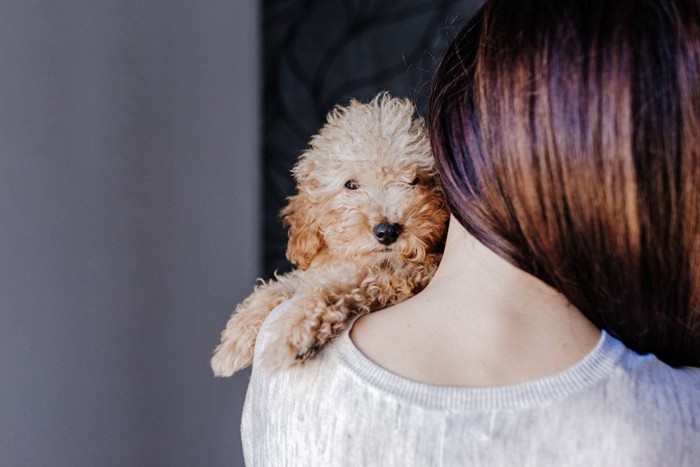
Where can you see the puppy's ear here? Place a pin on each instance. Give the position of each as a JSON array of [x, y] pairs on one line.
[[305, 239]]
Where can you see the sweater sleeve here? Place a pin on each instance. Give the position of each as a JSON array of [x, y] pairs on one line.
[[248, 434], [247, 428]]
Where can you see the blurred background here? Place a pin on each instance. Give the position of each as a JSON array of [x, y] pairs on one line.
[[146, 149]]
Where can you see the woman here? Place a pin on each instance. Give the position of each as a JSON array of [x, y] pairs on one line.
[[564, 319]]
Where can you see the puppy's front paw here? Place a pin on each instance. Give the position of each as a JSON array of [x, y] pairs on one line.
[[294, 344], [232, 355], [277, 355]]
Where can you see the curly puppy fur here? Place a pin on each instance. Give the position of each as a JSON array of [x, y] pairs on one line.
[[369, 169]]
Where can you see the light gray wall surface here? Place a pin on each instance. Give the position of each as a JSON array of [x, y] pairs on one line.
[[129, 227]]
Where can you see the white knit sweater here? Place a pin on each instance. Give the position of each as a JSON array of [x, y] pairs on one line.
[[613, 408]]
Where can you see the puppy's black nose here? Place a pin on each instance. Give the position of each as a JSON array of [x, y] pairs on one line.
[[387, 234]]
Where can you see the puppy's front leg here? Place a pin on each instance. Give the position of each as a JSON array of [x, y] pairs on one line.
[[235, 351], [309, 322], [321, 310]]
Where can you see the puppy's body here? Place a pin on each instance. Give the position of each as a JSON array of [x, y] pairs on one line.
[[366, 230]]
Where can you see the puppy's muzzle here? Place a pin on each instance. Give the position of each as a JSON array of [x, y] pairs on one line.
[[386, 233]]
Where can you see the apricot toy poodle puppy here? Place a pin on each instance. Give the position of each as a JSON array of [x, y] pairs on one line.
[[366, 230]]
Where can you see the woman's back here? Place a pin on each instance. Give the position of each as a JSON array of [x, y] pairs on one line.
[[613, 407]]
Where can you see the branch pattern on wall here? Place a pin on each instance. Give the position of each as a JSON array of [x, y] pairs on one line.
[[321, 53]]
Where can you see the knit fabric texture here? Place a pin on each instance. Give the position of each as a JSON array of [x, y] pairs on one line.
[[613, 408]]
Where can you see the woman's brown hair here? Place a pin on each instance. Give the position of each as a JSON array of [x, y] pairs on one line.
[[567, 137]]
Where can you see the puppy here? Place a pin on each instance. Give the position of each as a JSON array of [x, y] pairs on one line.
[[366, 230]]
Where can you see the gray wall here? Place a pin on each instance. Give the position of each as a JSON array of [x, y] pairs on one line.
[[128, 227]]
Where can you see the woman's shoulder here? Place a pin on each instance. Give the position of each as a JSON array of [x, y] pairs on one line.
[[649, 382], [648, 369], [654, 406], [265, 332]]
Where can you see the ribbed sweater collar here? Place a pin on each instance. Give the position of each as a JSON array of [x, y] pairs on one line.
[[594, 367]]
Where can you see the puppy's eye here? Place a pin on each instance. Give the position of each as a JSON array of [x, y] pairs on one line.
[[351, 185], [415, 181]]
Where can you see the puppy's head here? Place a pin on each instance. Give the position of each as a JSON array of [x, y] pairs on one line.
[[366, 188]]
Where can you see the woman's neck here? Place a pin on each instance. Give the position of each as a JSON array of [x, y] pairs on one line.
[[480, 322]]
